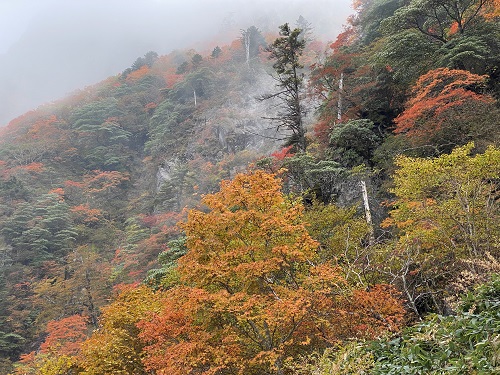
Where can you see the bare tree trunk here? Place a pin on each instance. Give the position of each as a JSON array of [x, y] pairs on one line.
[[339, 104], [247, 47], [368, 214]]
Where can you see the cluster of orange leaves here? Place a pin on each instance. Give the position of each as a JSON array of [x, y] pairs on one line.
[[138, 74], [83, 213], [99, 181]]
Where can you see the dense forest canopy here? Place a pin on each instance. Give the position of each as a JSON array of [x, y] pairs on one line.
[[273, 205]]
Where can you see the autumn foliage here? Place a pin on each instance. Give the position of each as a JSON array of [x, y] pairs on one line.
[[65, 336], [254, 291], [447, 106], [253, 281]]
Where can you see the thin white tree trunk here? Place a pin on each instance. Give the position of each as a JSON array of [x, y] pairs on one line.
[[247, 48], [339, 104], [368, 214]]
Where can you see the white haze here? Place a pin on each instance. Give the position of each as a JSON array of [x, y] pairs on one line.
[[49, 48]]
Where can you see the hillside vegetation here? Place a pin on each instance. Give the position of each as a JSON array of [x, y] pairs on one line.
[[273, 206]]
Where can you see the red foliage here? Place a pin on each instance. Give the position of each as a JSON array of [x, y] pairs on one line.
[[344, 39], [439, 95], [322, 131], [283, 153], [27, 358]]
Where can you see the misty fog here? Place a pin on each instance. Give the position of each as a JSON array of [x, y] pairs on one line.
[[53, 47]]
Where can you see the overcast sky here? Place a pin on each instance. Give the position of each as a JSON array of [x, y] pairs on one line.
[[49, 48]]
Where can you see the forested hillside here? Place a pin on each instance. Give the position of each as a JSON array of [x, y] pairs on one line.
[[273, 206]]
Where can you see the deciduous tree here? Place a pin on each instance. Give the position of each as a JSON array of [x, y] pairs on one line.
[[254, 292], [447, 109], [446, 209], [115, 347]]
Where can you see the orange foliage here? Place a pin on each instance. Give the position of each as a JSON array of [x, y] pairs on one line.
[[33, 167], [377, 309], [171, 77], [85, 214], [254, 293], [65, 336], [236, 45], [43, 128], [99, 181], [344, 39], [70, 184], [19, 170], [27, 358], [58, 191], [453, 29], [492, 10], [19, 125], [137, 74]]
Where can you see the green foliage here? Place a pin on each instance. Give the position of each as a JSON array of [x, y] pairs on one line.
[[172, 119], [13, 189], [370, 16], [444, 211], [164, 122], [468, 343], [10, 343], [427, 34], [285, 51], [408, 54], [167, 276], [103, 147], [40, 230], [342, 235], [201, 81], [217, 51], [196, 59], [101, 137], [352, 358], [323, 178], [253, 41], [353, 142], [183, 68], [148, 60], [391, 147]]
